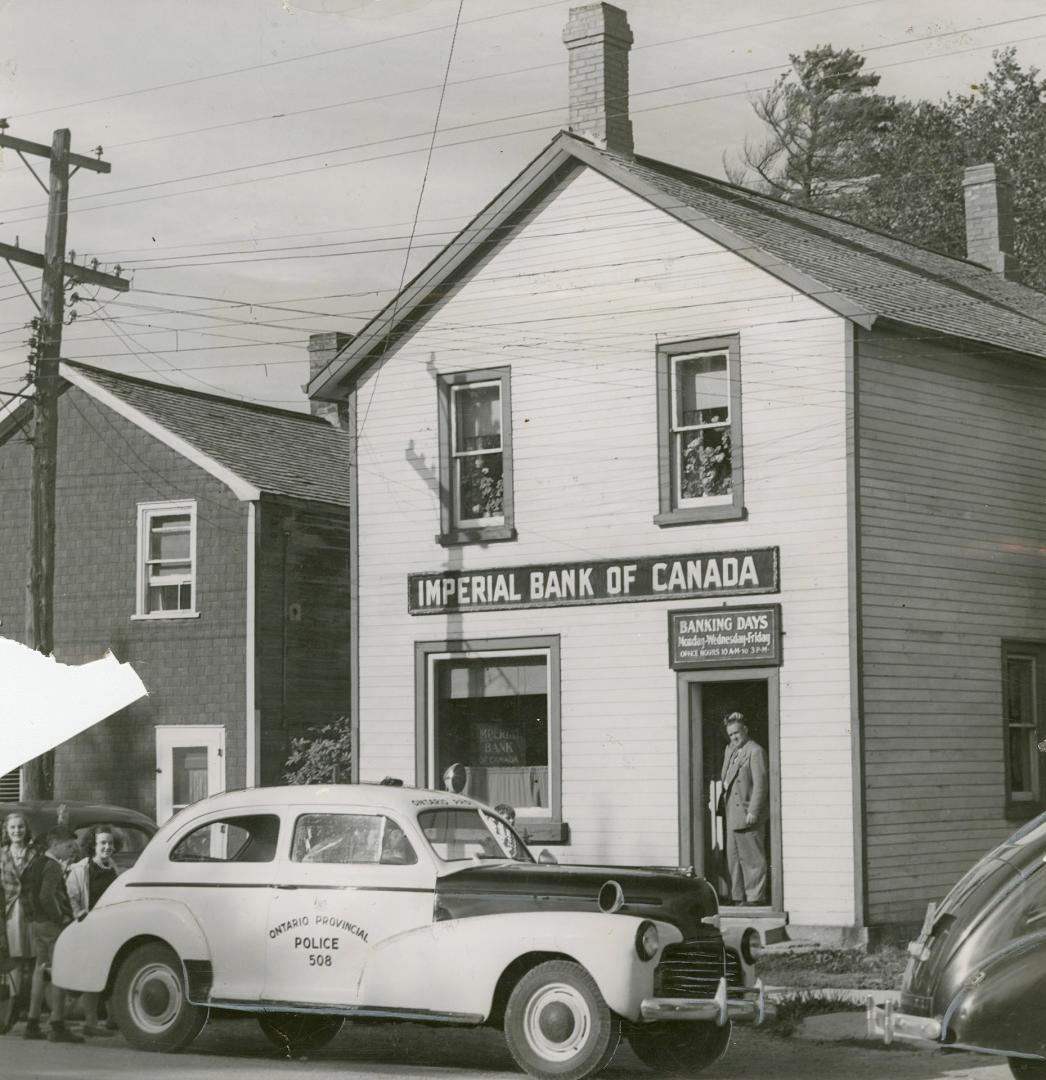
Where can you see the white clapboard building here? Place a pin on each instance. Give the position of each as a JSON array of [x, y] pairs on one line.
[[640, 449]]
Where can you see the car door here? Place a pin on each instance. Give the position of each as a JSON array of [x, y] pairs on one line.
[[221, 868], [354, 879]]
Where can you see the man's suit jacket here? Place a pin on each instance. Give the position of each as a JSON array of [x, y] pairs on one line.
[[746, 787]]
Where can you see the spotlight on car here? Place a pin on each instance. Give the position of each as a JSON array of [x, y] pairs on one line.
[[751, 946]]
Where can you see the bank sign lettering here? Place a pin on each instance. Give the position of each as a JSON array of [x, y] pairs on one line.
[[607, 581], [724, 637]]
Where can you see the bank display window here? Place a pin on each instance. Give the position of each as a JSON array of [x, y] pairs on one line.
[[475, 457], [491, 723], [1024, 667], [699, 404]]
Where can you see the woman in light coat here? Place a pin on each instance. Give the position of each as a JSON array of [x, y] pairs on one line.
[[85, 883], [16, 853]]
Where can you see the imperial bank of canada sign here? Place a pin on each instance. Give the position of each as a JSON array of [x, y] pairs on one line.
[[606, 581]]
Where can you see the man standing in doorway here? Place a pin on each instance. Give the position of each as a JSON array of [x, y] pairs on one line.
[[745, 804]]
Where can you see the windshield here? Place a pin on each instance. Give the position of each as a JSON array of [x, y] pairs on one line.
[[465, 833], [1031, 832]]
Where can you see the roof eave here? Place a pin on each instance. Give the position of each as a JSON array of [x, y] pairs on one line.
[[243, 489]]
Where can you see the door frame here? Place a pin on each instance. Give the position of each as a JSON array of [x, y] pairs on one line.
[[691, 766], [171, 736]]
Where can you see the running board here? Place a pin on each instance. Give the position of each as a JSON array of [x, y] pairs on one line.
[[350, 1012]]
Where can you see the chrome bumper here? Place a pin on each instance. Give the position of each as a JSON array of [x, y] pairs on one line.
[[885, 1022], [748, 1008]]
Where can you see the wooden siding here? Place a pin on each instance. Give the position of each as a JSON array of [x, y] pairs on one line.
[[302, 636], [575, 304], [953, 512]]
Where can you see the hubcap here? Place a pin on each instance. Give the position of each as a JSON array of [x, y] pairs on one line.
[[557, 1022], [155, 998]]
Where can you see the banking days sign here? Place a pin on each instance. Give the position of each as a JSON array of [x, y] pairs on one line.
[[604, 581]]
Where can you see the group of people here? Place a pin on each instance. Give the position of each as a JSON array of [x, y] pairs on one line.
[[44, 888]]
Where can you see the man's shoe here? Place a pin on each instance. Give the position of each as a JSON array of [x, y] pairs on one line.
[[60, 1033], [32, 1030]]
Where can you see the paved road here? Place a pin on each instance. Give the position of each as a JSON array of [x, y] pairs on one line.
[[235, 1050]]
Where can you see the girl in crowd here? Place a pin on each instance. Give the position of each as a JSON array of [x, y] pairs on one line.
[[85, 883], [16, 853]]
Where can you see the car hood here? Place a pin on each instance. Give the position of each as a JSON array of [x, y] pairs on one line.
[[498, 888]]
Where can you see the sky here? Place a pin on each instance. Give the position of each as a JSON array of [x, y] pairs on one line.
[[280, 168]]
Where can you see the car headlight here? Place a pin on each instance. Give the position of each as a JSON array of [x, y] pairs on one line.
[[751, 946], [648, 941]]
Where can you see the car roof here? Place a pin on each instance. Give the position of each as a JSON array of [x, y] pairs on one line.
[[372, 796], [42, 814]]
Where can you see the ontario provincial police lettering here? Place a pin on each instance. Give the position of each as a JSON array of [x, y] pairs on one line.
[[607, 581]]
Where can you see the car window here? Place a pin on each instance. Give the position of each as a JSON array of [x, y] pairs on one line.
[[471, 834], [350, 838], [247, 838]]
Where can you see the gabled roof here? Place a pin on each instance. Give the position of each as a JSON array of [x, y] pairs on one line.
[[856, 272], [254, 449]]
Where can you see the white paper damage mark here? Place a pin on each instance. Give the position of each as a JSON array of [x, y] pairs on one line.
[[44, 703]]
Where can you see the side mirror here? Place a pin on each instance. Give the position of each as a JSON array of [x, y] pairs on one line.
[[547, 857]]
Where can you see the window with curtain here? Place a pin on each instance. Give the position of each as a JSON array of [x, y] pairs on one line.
[[166, 559], [492, 717]]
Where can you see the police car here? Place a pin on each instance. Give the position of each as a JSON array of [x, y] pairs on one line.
[[309, 905]]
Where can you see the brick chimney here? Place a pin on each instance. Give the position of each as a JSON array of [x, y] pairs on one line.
[[989, 219], [323, 348], [598, 39]]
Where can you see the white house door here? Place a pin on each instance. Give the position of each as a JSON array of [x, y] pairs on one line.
[[190, 765]]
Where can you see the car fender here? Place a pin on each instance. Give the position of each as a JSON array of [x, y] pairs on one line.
[[455, 965], [1000, 1005], [85, 950]]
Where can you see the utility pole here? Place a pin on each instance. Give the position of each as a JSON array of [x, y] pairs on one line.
[[38, 775]]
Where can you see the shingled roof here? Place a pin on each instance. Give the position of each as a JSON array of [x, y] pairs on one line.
[[276, 451], [859, 273]]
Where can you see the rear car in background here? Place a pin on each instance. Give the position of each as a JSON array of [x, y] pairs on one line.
[[132, 829], [976, 976], [303, 906]]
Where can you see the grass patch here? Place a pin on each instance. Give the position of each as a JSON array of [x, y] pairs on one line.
[[790, 1012], [842, 969]]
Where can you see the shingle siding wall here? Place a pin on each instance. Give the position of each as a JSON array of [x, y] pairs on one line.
[[953, 507], [576, 304], [193, 668]]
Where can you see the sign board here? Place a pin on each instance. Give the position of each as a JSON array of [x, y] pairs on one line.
[[724, 637], [604, 581]]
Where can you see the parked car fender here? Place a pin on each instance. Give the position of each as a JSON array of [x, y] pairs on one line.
[[462, 960], [1001, 1001], [85, 951]]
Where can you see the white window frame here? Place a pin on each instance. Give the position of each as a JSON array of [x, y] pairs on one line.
[[171, 737], [677, 430], [535, 813], [146, 513], [456, 455]]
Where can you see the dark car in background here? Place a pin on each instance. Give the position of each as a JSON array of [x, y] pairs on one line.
[[976, 976], [133, 830]]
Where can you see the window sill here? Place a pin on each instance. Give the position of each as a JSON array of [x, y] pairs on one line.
[[697, 516], [543, 832], [489, 534], [165, 616]]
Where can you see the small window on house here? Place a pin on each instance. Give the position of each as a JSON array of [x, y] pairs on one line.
[[475, 457], [1023, 674], [699, 414], [166, 559]]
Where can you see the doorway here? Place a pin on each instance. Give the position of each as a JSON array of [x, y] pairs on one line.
[[190, 765], [706, 698]]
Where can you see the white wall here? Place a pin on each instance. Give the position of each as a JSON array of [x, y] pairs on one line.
[[576, 304]]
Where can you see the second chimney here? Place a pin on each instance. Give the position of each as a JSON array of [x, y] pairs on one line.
[[989, 219], [323, 348], [598, 39]]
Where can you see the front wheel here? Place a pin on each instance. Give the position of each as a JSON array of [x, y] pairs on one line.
[[679, 1048], [149, 1002], [1025, 1069], [299, 1033], [557, 1025]]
